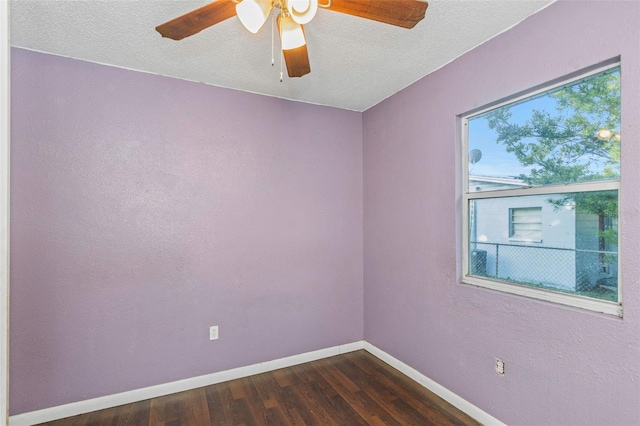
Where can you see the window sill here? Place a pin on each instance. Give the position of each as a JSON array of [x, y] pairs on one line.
[[595, 305], [524, 240]]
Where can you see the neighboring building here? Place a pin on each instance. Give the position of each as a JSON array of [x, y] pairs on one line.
[[509, 240]]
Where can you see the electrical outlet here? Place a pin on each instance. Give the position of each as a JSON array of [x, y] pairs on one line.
[[499, 366], [213, 332]]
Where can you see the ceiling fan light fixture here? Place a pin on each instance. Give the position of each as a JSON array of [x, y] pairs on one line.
[[292, 17], [253, 13], [302, 11], [291, 33]]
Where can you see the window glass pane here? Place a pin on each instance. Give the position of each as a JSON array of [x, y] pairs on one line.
[[566, 135], [577, 248]]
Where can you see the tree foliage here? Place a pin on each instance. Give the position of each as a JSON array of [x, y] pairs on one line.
[[562, 145], [576, 141]]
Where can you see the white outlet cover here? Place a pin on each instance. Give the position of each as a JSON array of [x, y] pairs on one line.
[[213, 332]]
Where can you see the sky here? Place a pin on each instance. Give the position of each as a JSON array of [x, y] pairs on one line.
[[496, 161]]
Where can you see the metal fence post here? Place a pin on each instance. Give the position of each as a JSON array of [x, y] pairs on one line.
[[497, 254]]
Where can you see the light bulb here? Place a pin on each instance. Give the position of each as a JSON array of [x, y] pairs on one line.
[[253, 13], [291, 34]]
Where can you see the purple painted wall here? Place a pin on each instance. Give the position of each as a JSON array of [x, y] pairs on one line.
[[564, 366], [145, 209]]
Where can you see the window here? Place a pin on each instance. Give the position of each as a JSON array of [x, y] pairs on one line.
[[525, 224], [540, 196]]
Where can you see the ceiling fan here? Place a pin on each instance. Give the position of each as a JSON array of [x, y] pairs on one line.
[[292, 16]]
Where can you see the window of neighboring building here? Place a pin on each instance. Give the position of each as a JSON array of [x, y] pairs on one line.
[[546, 163], [525, 224]]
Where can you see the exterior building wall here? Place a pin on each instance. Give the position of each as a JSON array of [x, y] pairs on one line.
[[531, 262]]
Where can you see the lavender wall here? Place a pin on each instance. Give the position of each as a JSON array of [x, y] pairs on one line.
[[564, 366], [145, 209]]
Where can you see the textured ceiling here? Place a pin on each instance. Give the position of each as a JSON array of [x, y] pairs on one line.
[[355, 63]]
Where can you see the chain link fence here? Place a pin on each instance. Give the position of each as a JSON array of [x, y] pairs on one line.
[[563, 269]]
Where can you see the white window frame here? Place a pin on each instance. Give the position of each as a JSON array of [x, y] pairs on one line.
[[592, 304]]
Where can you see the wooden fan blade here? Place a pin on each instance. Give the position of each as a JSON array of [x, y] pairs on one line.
[[297, 61], [197, 20], [402, 13]]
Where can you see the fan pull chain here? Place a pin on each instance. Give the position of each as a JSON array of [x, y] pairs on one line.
[[273, 18], [281, 52]]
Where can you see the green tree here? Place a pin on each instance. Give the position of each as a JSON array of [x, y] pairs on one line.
[[578, 141]]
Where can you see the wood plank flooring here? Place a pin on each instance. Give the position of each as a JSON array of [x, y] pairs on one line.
[[349, 389]]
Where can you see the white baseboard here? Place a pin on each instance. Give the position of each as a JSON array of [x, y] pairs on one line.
[[80, 407], [444, 393]]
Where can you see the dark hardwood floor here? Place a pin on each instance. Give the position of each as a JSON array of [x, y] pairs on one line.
[[350, 389]]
